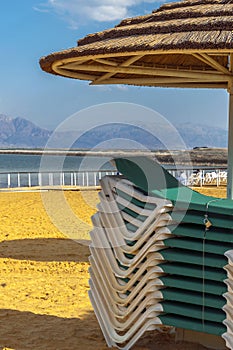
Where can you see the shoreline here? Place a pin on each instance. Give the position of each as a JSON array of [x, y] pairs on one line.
[[198, 156], [195, 157]]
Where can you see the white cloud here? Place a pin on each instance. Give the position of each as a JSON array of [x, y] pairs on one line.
[[106, 13], [107, 88], [102, 88], [122, 87], [76, 12], [40, 9]]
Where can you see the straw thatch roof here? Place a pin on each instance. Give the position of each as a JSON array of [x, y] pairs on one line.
[[182, 44]]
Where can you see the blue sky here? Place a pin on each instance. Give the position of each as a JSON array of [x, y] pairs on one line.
[[34, 28]]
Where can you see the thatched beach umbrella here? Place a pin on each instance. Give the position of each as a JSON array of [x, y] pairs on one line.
[[185, 44]]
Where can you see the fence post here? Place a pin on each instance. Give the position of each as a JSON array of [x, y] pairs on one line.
[[50, 179], [8, 180], [95, 180], [29, 180], [18, 179], [71, 179], [75, 179], [39, 179]]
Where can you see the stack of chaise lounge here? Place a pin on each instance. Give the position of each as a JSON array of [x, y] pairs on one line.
[[161, 254]]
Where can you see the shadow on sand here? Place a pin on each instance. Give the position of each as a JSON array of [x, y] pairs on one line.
[[45, 249], [29, 331], [26, 330]]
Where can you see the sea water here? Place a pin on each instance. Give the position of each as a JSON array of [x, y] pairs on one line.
[[23, 170], [36, 163]]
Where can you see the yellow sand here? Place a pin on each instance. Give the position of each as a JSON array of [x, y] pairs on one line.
[[44, 303]]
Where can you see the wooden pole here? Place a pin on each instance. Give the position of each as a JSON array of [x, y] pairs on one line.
[[230, 147]]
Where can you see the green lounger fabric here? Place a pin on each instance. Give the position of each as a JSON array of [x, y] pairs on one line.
[[152, 178], [193, 324], [214, 233], [197, 271], [191, 297], [198, 245], [208, 313], [194, 284], [197, 217], [189, 256]]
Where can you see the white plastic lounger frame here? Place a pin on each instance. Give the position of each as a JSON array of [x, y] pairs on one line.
[[152, 324], [117, 217], [124, 299], [109, 191], [129, 332], [144, 274], [107, 240], [133, 271], [110, 259], [138, 316], [110, 184], [100, 240], [118, 182], [107, 288], [119, 293], [108, 221], [148, 297]]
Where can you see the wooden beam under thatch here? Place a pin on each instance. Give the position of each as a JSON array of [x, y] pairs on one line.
[[105, 61], [157, 81], [211, 62], [75, 75], [212, 75], [127, 63]]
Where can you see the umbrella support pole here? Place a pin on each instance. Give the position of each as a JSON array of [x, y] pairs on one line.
[[230, 148]]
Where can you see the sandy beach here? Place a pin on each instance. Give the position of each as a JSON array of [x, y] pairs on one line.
[[44, 303]]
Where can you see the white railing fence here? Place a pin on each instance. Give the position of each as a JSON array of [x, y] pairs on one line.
[[66, 178], [189, 177]]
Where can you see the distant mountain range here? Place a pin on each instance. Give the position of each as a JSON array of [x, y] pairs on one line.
[[19, 132]]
